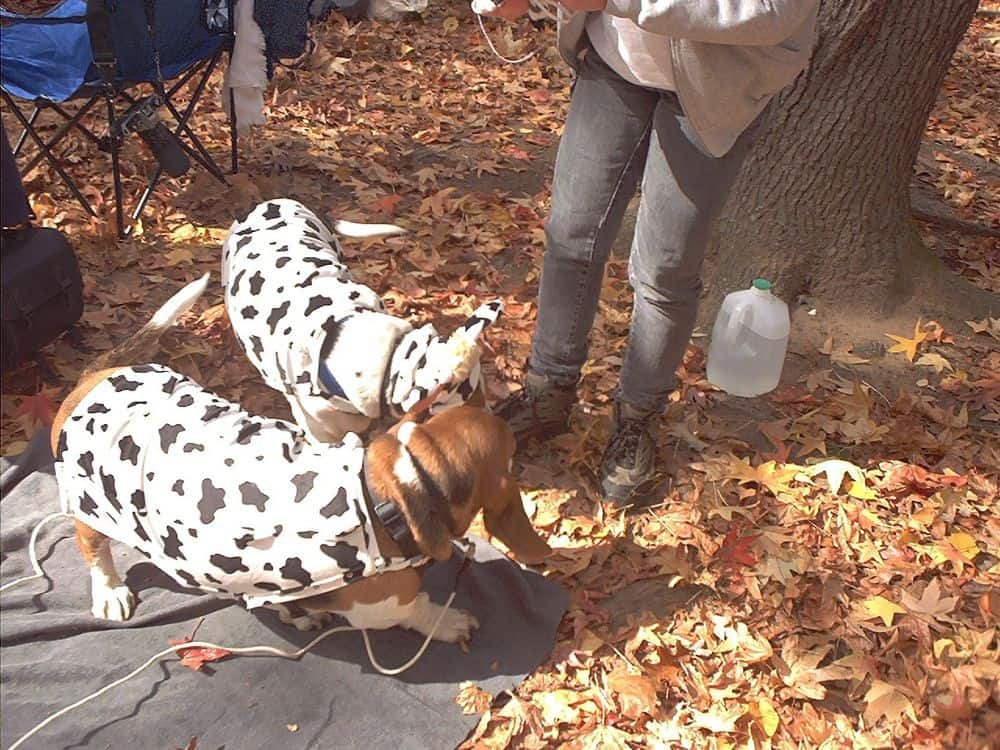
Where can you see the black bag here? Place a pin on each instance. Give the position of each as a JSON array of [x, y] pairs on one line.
[[42, 291]]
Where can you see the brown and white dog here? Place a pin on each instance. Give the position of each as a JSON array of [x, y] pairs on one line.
[[233, 503]]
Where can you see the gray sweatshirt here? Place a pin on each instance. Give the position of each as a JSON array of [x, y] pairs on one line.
[[730, 57]]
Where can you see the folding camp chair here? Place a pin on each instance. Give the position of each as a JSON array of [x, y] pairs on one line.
[[93, 52]]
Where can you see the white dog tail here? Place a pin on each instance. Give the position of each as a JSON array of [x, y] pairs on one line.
[[355, 230], [141, 346], [177, 305]]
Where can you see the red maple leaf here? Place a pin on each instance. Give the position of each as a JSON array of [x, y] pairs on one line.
[[915, 479], [386, 204], [37, 411], [735, 550], [197, 656]]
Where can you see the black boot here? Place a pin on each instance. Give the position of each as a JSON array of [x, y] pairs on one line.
[[540, 410], [630, 458]]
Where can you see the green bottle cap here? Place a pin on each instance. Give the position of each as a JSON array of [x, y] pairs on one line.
[[762, 284]]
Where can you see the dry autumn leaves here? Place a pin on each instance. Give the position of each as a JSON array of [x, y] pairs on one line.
[[822, 569]]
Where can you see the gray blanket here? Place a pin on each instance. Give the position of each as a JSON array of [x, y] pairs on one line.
[[53, 652]]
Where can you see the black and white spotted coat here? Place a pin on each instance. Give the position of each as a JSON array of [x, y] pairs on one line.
[[217, 498], [295, 307]]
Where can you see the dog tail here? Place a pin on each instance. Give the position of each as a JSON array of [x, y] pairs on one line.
[[140, 346], [366, 231]]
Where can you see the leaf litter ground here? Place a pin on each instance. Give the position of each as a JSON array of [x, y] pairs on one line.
[[818, 567]]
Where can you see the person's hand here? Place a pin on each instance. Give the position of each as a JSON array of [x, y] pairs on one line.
[[508, 10], [583, 6]]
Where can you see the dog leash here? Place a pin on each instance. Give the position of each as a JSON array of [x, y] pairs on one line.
[[33, 553], [493, 49], [467, 547]]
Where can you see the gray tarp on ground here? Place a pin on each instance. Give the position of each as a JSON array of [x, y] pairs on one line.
[[54, 652]]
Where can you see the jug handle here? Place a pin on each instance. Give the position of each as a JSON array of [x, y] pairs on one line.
[[736, 320]]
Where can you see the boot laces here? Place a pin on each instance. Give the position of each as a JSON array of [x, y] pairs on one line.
[[626, 440]]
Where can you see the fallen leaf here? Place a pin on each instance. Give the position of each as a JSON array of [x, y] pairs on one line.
[[767, 717], [801, 672], [965, 545], [472, 698], [735, 549], [935, 361], [879, 606], [197, 656], [37, 411], [885, 700], [603, 737], [835, 470], [930, 602], [908, 346], [179, 256], [718, 719], [558, 706], [636, 693], [386, 204]]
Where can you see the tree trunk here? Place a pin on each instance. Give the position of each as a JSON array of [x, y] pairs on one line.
[[822, 206]]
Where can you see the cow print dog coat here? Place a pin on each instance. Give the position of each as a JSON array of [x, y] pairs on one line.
[[323, 339], [217, 498]]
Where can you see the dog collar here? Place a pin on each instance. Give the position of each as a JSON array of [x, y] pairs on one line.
[[392, 519], [329, 382]]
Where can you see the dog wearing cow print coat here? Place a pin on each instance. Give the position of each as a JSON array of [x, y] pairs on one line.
[[231, 503], [323, 339]]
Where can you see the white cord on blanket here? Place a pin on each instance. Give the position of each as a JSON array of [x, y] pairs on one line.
[[33, 553], [248, 650]]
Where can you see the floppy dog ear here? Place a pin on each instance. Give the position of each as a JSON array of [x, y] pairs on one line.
[[415, 485], [507, 521]]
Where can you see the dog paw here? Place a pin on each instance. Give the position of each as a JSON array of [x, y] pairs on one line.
[[456, 626], [302, 620], [113, 603]]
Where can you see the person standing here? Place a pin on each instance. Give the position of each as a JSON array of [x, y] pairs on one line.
[[669, 95]]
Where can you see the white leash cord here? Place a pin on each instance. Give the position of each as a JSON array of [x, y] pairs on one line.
[[242, 650], [489, 41], [33, 553]]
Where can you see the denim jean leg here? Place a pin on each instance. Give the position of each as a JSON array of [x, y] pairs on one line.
[[683, 192], [597, 170]]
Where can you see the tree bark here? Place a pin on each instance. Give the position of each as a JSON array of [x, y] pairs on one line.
[[822, 206]]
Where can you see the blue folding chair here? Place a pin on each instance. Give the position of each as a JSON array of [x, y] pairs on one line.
[[102, 51]]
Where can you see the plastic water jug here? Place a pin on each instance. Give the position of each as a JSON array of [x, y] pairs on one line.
[[749, 340]]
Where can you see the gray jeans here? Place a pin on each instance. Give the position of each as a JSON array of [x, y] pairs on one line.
[[617, 133]]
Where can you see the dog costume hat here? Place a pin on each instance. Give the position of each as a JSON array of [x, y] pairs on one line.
[[323, 339], [132, 479]]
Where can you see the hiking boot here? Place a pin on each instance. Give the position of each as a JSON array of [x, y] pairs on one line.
[[540, 410], [629, 460]]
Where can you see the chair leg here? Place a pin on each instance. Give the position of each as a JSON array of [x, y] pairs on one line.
[[24, 133], [144, 198], [73, 121], [115, 145], [79, 116], [30, 132], [208, 162]]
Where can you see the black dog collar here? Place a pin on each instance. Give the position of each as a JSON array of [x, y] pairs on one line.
[[391, 517]]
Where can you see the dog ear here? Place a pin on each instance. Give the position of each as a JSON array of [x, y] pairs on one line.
[[506, 520], [415, 487], [497, 491]]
